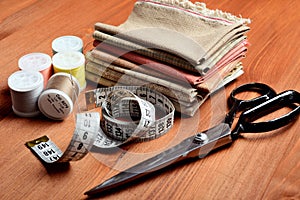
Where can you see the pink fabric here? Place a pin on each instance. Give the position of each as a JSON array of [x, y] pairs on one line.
[[236, 53]]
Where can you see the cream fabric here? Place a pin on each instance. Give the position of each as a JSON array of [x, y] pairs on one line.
[[171, 29]]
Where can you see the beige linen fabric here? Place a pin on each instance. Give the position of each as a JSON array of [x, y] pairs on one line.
[[194, 38], [152, 53], [206, 43]]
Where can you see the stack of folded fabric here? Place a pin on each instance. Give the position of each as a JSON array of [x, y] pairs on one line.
[[181, 49]]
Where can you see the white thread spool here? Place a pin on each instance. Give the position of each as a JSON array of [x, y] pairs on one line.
[[67, 43], [40, 62], [25, 88], [57, 100]]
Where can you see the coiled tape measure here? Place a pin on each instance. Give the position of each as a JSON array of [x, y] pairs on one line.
[[127, 113]]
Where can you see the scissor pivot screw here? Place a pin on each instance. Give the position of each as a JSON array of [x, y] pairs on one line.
[[200, 138]]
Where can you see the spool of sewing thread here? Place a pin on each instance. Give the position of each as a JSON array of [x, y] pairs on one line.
[[71, 62], [40, 62], [57, 100], [67, 43], [25, 88]]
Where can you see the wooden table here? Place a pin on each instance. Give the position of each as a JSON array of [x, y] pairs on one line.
[[254, 167]]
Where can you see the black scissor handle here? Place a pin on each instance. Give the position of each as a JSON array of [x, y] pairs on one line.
[[284, 99], [265, 91]]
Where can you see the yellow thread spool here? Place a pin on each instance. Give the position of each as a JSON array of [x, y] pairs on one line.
[[71, 62]]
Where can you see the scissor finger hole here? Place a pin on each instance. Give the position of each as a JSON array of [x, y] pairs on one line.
[[251, 94], [247, 95]]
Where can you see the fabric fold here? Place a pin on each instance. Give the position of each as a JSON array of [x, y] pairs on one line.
[[199, 37], [152, 53], [185, 91], [178, 74], [179, 48]]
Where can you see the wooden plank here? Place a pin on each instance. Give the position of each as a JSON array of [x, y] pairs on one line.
[[255, 167]]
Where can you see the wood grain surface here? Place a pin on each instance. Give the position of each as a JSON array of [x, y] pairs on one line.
[[263, 166]]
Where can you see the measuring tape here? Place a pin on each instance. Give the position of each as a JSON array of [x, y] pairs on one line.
[[128, 113], [87, 126], [164, 113]]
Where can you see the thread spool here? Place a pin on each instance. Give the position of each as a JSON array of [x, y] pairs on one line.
[[57, 100], [40, 62], [71, 62], [67, 43], [25, 88]]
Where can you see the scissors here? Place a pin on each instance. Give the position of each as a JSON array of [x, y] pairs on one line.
[[200, 144]]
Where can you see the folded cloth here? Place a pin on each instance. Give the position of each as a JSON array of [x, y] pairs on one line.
[[200, 31], [178, 48], [178, 74], [151, 53], [108, 77], [110, 42], [169, 58], [210, 62], [101, 56], [117, 73], [222, 77], [184, 105], [186, 99], [236, 53], [181, 107]]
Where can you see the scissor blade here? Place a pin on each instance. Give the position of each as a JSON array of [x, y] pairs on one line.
[[113, 182], [193, 146], [152, 164]]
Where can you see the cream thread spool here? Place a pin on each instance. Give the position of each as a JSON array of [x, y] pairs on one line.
[[40, 62], [71, 62], [25, 88], [67, 43], [57, 100]]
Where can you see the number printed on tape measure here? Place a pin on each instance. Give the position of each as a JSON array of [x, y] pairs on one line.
[[86, 130], [128, 113], [144, 98], [47, 150]]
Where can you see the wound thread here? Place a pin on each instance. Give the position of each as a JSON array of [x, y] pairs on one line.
[[71, 62], [67, 43], [57, 100], [40, 62], [25, 88]]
